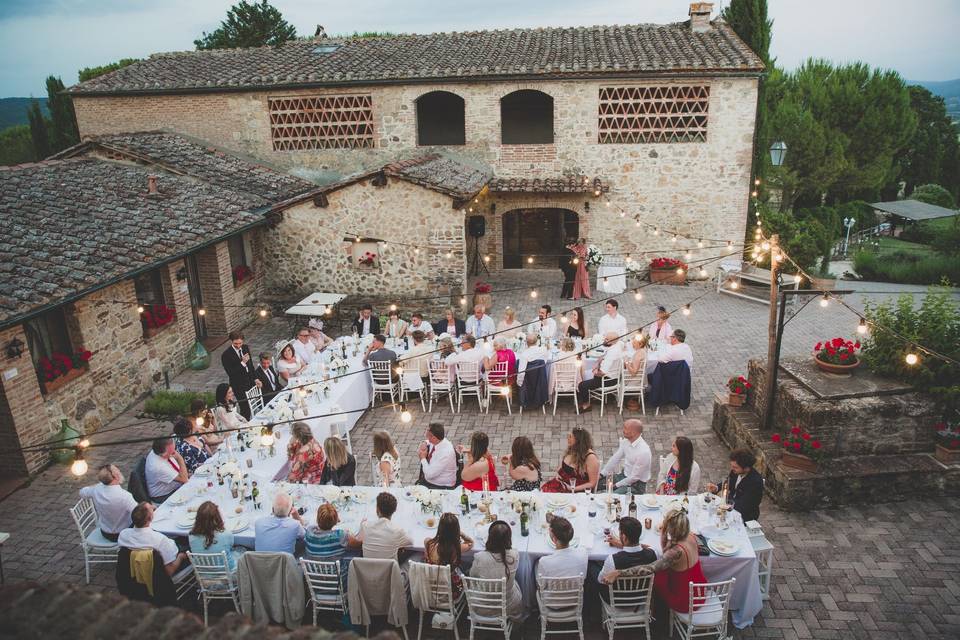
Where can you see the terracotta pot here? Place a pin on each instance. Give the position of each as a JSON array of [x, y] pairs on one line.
[[947, 456], [798, 461], [485, 299], [69, 376], [736, 399], [667, 276], [836, 368]]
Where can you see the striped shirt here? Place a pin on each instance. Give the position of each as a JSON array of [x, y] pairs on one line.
[[325, 545]]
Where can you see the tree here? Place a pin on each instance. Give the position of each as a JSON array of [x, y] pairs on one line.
[[38, 131], [249, 24], [89, 73], [933, 153], [63, 120], [16, 145], [934, 194]]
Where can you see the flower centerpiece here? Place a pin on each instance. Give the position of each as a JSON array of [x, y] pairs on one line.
[[668, 271], [481, 295], [594, 256], [367, 259], [242, 273], [738, 386], [948, 442], [800, 449], [155, 317], [837, 355], [61, 366]]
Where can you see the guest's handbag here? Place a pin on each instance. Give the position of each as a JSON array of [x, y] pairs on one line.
[[702, 545]]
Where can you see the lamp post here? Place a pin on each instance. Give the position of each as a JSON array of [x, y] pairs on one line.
[[848, 223]]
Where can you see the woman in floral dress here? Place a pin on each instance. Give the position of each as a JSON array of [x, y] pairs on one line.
[[581, 282], [305, 455]]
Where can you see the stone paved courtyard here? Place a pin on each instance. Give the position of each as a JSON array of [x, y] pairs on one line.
[[885, 571]]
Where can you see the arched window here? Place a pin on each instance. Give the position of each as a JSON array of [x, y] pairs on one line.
[[526, 117], [440, 119]]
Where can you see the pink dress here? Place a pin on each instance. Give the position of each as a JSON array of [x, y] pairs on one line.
[[508, 356], [581, 282]]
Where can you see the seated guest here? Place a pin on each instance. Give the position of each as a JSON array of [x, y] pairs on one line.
[[637, 364], [500, 560], [438, 460], [165, 470], [533, 352], [111, 501], [479, 325], [523, 466], [633, 455], [388, 465], [608, 366], [417, 358], [304, 347], [305, 455], [142, 536], [679, 473], [564, 562], [289, 364], [469, 354], [396, 326], [322, 541], [659, 329], [225, 414], [417, 324], [450, 324], [509, 321], [190, 446], [341, 467], [209, 534], [478, 464], [567, 345], [366, 322], [383, 538], [447, 547], [203, 420], [631, 554], [279, 531], [580, 467], [269, 377], [612, 321], [678, 565], [502, 354], [744, 485], [377, 352], [446, 347], [545, 326], [319, 339], [678, 349], [577, 324]]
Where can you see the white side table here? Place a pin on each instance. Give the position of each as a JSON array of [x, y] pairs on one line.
[[764, 551]]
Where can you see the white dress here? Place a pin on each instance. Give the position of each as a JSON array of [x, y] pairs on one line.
[[228, 418], [395, 471], [288, 368]]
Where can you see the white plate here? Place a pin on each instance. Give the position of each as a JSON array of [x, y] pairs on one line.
[[186, 521], [650, 502], [237, 524], [202, 472], [177, 500], [723, 547], [425, 525]]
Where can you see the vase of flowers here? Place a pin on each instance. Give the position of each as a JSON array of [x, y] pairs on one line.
[[668, 271], [800, 449], [738, 387], [594, 256], [481, 295], [837, 356], [948, 443], [367, 259]]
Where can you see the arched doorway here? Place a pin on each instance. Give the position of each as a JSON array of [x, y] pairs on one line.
[[536, 232]]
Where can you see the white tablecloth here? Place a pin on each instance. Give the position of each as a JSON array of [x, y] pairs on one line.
[[616, 279]]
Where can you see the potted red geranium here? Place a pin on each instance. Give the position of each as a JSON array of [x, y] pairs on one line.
[[668, 271], [242, 273], [800, 449], [60, 368], [948, 442], [368, 259], [837, 355], [481, 295], [155, 317], [738, 387]]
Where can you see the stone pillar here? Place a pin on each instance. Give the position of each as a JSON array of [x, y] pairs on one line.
[[23, 422], [216, 287]]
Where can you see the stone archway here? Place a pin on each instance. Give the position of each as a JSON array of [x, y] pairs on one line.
[[539, 232]]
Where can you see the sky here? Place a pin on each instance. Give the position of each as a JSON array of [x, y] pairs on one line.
[[43, 37]]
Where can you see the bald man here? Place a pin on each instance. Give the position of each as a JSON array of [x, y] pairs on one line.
[[634, 456]]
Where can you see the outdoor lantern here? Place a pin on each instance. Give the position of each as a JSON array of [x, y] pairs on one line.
[[778, 151], [14, 348]]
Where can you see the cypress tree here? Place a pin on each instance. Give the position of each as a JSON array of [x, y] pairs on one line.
[[38, 131], [62, 116]]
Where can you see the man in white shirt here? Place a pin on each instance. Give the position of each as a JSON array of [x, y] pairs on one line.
[[635, 457], [417, 324], [382, 538], [438, 460], [678, 349], [417, 358], [282, 529], [612, 321], [545, 327], [531, 353], [469, 354], [165, 470], [564, 562], [112, 502], [142, 536], [304, 347], [608, 366], [480, 325]]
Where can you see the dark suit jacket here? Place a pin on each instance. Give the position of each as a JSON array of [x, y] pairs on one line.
[[241, 376], [566, 261], [374, 325], [269, 390], [440, 326], [746, 497]]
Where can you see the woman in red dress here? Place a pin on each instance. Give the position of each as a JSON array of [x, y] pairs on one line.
[[478, 464], [580, 465], [305, 455], [581, 281]]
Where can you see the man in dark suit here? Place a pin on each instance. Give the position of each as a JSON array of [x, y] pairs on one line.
[[569, 271], [744, 485], [266, 374], [366, 322], [239, 367]]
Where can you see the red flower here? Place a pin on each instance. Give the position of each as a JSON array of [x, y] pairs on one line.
[[749, 386], [85, 356], [776, 437], [844, 356], [954, 444], [837, 342], [796, 446], [856, 345], [940, 426], [818, 346], [795, 430], [815, 444], [786, 445], [806, 436]]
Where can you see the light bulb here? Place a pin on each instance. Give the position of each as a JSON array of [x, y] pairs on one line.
[[328, 310], [911, 359], [266, 437], [862, 327], [79, 467], [638, 224], [393, 307], [575, 261], [405, 415], [656, 231], [449, 254], [140, 309], [765, 246], [463, 301], [673, 239], [530, 260], [504, 391], [686, 309], [754, 194], [606, 280], [679, 271], [699, 244], [201, 311], [399, 371], [608, 203], [486, 258], [703, 272], [729, 243], [638, 296], [533, 294], [563, 319], [200, 421], [778, 257], [734, 285], [824, 301], [416, 251], [629, 258], [263, 313], [623, 214], [83, 444], [357, 239], [757, 182]]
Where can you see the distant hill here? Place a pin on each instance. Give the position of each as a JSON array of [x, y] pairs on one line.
[[13, 111], [949, 90]]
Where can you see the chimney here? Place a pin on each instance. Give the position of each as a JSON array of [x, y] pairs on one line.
[[152, 186], [700, 16]]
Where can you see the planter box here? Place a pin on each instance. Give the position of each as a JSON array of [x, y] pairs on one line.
[[844, 369], [947, 456], [736, 399], [62, 381], [798, 461], [668, 276]]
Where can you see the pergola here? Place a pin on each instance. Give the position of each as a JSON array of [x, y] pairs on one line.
[[910, 210]]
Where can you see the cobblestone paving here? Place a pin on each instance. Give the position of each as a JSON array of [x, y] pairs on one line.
[[884, 571]]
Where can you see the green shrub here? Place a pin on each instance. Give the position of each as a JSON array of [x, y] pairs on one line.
[[175, 403], [934, 194], [907, 268]]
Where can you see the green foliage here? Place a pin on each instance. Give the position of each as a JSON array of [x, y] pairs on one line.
[[935, 324], [89, 73], [175, 403], [934, 194], [803, 236], [16, 145], [933, 154], [249, 24], [13, 111], [367, 34], [38, 131], [907, 268], [63, 120]]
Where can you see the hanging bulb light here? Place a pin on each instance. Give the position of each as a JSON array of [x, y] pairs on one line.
[[778, 257], [530, 260], [463, 300], [399, 371], [700, 244], [606, 280], [449, 254], [757, 182], [734, 285], [486, 259], [638, 296], [729, 243], [608, 203], [702, 272], [575, 261], [328, 311], [911, 360], [765, 246], [504, 391], [416, 251], [357, 239], [79, 466], [405, 416], [629, 258], [393, 307], [674, 238], [862, 327], [656, 231], [623, 214], [201, 311], [754, 194], [825, 300], [563, 319], [140, 308], [83, 444], [679, 271], [533, 293], [637, 223], [686, 309], [263, 313], [266, 436]]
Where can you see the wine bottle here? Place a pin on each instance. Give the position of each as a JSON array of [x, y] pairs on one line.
[[632, 507], [524, 520], [464, 501]]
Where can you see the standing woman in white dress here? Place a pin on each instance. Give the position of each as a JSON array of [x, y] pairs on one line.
[[660, 329], [288, 364], [387, 470], [226, 414]]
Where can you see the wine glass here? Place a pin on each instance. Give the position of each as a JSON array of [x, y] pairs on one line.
[[573, 485]]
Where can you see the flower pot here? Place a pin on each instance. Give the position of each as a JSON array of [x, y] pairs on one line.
[[947, 456], [736, 399], [667, 276], [839, 369], [485, 299], [61, 381], [798, 461]]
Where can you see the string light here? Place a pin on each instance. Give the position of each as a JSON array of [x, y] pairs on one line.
[[765, 246], [504, 391], [638, 296], [449, 254], [405, 416], [263, 313], [825, 300], [638, 224], [266, 436], [700, 244], [656, 231], [734, 285], [83, 444], [629, 258], [729, 243], [530, 260], [912, 359], [486, 259], [79, 466], [201, 311], [702, 272], [757, 182], [416, 251], [327, 311], [533, 293], [608, 203], [862, 327], [623, 214], [575, 261], [357, 239], [673, 239], [754, 194], [686, 309], [687, 256], [679, 271], [463, 301], [140, 308], [606, 280], [399, 371], [393, 307], [563, 319]]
